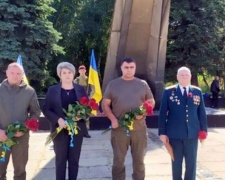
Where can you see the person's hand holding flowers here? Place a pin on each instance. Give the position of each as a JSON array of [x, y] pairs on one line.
[[79, 110], [62, 123], [115, 124], [127, 121], [18, 134], [139, 117], [3, 136], [78, 118], [14, 130], [202, 135]]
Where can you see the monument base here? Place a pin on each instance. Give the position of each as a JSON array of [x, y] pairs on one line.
[[216, 118]]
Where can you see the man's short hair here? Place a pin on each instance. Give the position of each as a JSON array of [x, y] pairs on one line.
[[183, 68], [128, 60]]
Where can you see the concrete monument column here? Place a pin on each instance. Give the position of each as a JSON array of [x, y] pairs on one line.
[[139, 30]]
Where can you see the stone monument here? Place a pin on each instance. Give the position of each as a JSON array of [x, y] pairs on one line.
[[139, 30]]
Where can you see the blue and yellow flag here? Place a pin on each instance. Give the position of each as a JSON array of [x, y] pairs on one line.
[[19, 61], [93, 79]]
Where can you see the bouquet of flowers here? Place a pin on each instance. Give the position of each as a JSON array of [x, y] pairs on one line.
[[12, 129], [202, 135], [32, 124], [84, 107], [127, 121], [79, 110]]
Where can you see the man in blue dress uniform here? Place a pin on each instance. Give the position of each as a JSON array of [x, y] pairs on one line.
[[182, 116]]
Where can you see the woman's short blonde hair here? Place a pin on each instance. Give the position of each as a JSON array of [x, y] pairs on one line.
[[65, 65]]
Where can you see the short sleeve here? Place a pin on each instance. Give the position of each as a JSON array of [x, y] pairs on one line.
[[149, 94], [107, 93]]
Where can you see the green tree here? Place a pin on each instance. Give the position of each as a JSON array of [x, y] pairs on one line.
[[195, 37], [26, 30], [96, 19], [85, 25], [64, 20]]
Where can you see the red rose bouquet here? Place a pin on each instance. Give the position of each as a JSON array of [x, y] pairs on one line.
[[12, 129], [32, 124], [145, 109], [127, 121], [80, 110], [84, 107]]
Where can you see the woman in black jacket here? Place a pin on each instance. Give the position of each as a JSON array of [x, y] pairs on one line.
[[58, 98]]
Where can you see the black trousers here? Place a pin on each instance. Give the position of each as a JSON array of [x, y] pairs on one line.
[[65, 154], [214, 99]]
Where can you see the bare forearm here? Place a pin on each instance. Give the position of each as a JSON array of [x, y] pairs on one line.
[[108, 112]]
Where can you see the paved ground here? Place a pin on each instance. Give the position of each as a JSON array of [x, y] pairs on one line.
[[214, 111], [96, 158]]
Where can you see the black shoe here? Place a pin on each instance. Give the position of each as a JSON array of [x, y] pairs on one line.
[[87, 136]]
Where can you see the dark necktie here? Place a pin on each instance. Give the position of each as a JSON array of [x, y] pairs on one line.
[[185, 94]]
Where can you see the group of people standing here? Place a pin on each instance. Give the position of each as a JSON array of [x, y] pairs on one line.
[[182, 116], [18, 102]]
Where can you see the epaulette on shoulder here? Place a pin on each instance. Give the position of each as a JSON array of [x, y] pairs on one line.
[[195, 87], [171, 87]]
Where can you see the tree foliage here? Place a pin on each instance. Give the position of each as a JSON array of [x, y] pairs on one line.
[[196, 37], [26, 30], [31, 28], [85, 25]]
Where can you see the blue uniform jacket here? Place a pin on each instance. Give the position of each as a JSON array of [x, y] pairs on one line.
[[180, 119]]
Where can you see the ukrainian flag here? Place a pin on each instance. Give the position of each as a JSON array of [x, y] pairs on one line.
[[93, 79], [19, 61]]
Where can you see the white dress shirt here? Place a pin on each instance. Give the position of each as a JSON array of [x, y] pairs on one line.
[[182, 89]]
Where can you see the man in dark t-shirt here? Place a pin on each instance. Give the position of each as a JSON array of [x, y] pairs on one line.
[[122, 95]]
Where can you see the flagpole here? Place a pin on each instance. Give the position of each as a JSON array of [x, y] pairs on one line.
[[93, 79], [19, 61]]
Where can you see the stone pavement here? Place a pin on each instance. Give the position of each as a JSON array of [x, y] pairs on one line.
[[96, 158]]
